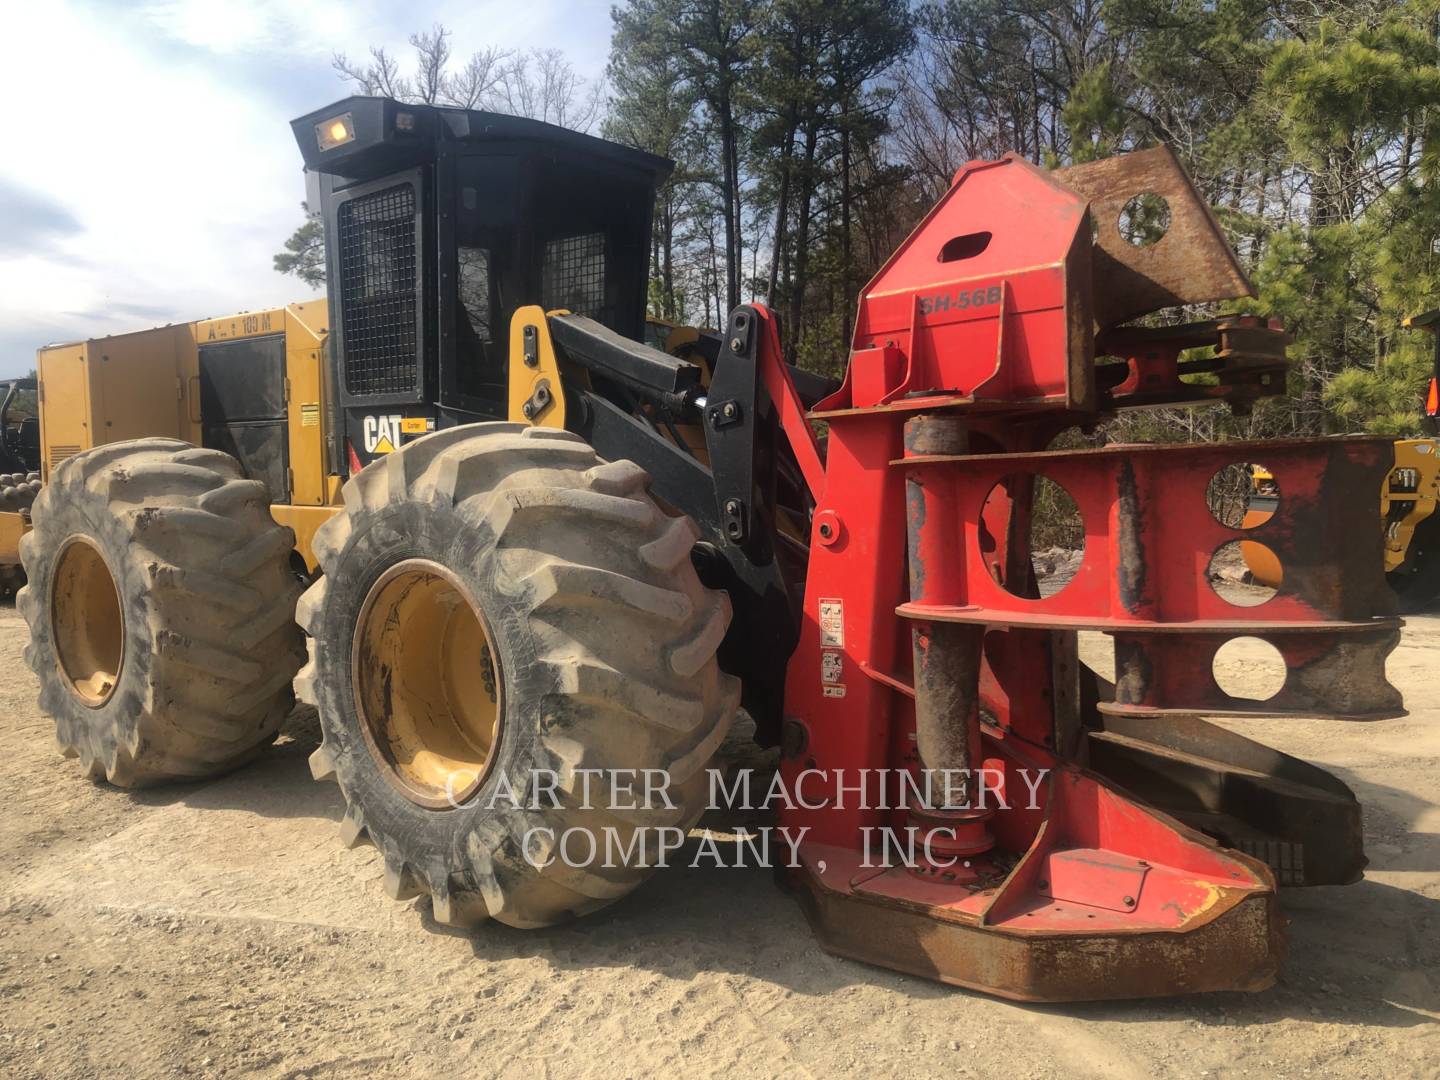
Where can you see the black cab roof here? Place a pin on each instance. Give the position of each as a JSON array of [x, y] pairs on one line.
[[360, 137]]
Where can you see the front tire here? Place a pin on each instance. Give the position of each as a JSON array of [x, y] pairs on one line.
[[565, 630]]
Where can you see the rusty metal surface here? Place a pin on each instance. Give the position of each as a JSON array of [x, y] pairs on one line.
[[1240, 948], [1339, 675], [1192, 263], [1248, 363], [905, 406], [1147, 563], [1150, 537], [946, 658]]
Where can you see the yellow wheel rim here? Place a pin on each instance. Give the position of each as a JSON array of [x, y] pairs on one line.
[[427, 684], [85, 622]]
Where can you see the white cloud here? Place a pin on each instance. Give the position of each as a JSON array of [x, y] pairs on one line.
[[165, 136], [254, 26]]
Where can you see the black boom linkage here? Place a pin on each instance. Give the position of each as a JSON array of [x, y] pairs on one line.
[[638, 394]]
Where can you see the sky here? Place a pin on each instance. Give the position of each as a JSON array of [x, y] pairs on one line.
[[149, 173]]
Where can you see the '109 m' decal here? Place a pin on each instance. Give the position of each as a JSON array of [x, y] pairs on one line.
[[959, 300]]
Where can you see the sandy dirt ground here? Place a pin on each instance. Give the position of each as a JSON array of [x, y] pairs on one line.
[[218, 929]]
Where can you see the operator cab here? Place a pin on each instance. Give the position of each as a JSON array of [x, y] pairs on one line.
[[19, 443], [439, 224]]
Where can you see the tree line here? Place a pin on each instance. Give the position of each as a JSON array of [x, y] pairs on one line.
[[810, 135]]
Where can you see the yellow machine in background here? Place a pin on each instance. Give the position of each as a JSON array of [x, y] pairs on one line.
[[1408, 502], [1409, 497], [250, 384]]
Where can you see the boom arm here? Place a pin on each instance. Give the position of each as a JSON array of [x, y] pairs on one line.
[[733, 494]]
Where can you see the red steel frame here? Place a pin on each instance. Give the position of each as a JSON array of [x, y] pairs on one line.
[[925, 646]]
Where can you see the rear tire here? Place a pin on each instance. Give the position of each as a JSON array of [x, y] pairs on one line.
[[601, 643], [161, 612]]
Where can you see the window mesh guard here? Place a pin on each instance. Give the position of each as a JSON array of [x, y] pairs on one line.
[[378, 291], [573, 276]]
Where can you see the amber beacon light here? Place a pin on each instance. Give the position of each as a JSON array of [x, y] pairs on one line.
[[335, 132]]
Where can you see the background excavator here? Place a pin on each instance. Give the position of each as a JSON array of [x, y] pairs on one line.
[[518, 542]]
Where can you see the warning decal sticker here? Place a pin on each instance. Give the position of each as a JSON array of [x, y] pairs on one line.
[[832, 624]]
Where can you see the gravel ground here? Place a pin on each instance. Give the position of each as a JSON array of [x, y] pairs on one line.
[[218, 929]]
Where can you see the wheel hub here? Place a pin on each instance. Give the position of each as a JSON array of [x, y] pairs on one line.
[[427, 684], [86, 624]]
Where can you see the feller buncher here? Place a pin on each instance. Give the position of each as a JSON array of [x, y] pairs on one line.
[[537, 547]]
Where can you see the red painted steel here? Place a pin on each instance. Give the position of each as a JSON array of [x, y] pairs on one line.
[[925, 643], [977, 309]]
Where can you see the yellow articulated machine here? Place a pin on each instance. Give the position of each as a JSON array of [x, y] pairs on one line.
[[212, 434], [502, 565], [249, 385]]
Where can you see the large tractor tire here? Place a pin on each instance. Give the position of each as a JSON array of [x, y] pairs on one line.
[[161, 610], [498, 606]]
